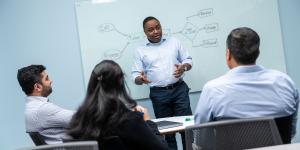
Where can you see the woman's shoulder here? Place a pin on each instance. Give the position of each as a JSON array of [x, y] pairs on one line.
[[133, 115]]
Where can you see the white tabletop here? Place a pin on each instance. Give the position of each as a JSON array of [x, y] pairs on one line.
[[294, 146], [186, 120]]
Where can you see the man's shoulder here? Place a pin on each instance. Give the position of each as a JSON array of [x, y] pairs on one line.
[[268, 74], [141, 46], [40, 108], [48, 108], [172, 39], [219, 81], [276, 74]]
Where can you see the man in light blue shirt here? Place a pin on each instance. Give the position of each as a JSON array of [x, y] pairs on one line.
[[41, 115], [247, 90], [161, 63]]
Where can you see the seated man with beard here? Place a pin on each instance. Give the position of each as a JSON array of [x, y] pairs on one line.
[[41, 115]]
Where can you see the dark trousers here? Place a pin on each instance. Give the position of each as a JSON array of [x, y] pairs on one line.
[[169, 103]]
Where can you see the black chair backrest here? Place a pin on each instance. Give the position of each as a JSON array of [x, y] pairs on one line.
[[284, 125], [37, 138], [79, 145], [106, 143], [233, 134], [111, 143]]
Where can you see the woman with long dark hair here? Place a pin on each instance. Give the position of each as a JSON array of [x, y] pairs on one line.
[[108, 112]]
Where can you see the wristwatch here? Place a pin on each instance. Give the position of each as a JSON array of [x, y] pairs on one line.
[[185, 68]]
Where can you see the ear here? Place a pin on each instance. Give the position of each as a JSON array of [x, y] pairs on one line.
[[228, 55], [38, 87]]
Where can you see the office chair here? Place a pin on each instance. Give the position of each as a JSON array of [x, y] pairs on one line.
[[284, 125], [112, 143], [37, 138], [80, 145], [106, 143], [233, 134]]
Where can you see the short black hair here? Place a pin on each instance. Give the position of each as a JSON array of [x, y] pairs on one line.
[[243, 44], [148, 19], [28, 76]]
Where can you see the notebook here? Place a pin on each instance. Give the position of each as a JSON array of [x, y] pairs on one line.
[[167, 124]]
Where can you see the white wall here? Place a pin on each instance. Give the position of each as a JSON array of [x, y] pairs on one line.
[[36, 32], [290, 23], [44, 32]]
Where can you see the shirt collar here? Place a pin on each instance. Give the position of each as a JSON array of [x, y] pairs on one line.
[[161, 41], [246, 69], [39, 98]]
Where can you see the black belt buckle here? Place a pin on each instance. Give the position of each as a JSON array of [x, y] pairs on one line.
[[170, 86]]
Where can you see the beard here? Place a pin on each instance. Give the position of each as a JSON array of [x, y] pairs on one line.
[[47, 90]]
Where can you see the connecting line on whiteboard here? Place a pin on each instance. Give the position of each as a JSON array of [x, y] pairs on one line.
[[114, 53], [121, 52], [126, 35], [202, 13], [187, 18]]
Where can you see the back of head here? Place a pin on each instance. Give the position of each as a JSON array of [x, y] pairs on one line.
[[28, 76], [105, 102], [243, 44], [108, 75], [108, 78]]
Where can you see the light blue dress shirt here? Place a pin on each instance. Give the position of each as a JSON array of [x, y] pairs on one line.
[[158, 61], [46, 118], [248, 91]]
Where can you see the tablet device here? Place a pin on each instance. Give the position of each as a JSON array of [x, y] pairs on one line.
[[167, 124]]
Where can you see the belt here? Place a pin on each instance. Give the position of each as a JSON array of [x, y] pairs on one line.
[[168, 87]]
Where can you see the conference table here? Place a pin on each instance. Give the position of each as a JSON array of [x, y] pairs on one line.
[[189, 121], [186, 120]]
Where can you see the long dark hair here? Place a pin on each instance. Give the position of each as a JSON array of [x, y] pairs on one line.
[[105, 103]]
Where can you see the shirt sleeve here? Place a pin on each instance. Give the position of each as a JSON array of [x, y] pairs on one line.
[[184, 56], [204, 109], [54, 116], [137, 67]]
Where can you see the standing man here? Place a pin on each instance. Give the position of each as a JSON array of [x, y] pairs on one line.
[[161, 63], [247, 90], [41, 115]]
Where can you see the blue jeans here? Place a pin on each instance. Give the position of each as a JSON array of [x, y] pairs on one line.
[[169, 103]]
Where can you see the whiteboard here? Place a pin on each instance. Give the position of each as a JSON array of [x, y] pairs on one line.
[[112, 29]]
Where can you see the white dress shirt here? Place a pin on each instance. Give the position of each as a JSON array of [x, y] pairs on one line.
[[248, 91], [46, 118], [158, 61]]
